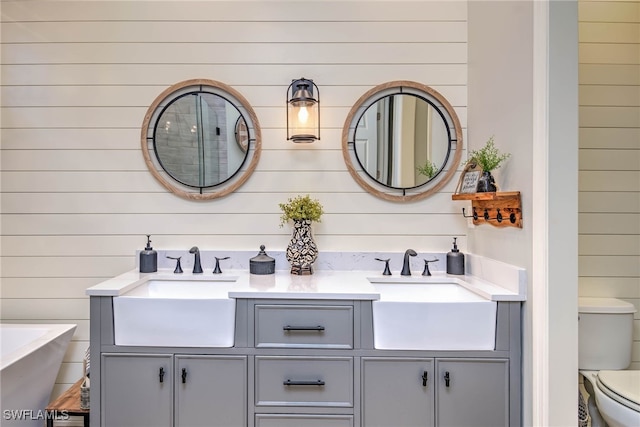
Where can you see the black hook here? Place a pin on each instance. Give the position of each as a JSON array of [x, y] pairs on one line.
[[474, 216]]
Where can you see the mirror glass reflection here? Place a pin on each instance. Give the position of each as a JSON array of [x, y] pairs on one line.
[[402, 141], [195, 139]]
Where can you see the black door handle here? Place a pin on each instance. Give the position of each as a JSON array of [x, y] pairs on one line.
[[318, 328], [289, 382], [447, 379], [184, 375], [425, 376], [161, 374]]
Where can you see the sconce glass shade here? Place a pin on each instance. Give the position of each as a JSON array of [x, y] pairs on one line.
[[303, 111]]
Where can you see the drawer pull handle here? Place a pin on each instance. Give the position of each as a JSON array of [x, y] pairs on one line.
[[303, 328], [288, 382]]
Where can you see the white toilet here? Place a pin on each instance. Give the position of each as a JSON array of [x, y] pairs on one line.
[[605, 339]]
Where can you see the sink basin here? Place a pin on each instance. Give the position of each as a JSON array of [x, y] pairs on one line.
[[434, 316], [176, 313]]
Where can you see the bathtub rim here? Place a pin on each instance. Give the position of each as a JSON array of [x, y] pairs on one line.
[[55, 330]]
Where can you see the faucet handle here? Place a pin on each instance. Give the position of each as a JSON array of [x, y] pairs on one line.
[[426, 271], [217, 270], [386, 272], [178, 269]]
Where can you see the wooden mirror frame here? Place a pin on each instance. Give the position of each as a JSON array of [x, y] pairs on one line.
[[254, 142], [363, 178]]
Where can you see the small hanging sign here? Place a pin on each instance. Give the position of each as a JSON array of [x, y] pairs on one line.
[[469, 179]]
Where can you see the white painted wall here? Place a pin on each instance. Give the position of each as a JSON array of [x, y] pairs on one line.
[[501, 105], [609, 225], [523, 90], [78, 76]]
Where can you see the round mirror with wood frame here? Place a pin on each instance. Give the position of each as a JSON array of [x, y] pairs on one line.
[[201, 139], [402, 141]]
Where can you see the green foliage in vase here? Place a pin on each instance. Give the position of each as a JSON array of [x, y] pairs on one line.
[[429, 169], [300, 207], [488, 157]]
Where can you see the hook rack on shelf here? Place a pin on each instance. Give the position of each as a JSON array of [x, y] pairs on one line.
[[500, 209]]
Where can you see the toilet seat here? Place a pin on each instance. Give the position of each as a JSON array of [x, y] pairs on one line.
[[621, 386]]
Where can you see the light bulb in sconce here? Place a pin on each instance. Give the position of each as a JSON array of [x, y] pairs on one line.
[[303, 115]]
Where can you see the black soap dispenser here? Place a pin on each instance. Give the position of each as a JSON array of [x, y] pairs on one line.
[[148, 258], [455, 260]]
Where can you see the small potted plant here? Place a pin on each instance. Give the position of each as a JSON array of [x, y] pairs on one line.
[[302, 250], [488, 158], [429, 169]]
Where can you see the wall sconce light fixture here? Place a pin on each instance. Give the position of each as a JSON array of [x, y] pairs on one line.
[[303, 111]]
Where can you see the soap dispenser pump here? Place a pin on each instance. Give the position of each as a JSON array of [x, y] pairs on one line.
[[148, 258], [455, 260]]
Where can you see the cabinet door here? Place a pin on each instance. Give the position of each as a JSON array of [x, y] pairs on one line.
[[137, 390], [211, 391], [303, 420], [397, 392], [472, 392]]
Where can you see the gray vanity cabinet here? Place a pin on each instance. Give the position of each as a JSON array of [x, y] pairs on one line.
[[210, 391], [137, 390], [397, 392], [406, 392], [304, 363], [149, 390], [472, 392]]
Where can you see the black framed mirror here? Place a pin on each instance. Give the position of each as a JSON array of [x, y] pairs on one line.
[[201, 139], [402, 141]]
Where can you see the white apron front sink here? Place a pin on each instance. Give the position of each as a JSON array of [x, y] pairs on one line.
[[434, 316], [176, 313]]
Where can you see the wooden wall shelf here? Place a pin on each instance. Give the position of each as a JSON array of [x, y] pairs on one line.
[[500, 209]]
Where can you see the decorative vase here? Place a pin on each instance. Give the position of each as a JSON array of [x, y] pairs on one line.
[[302, 250], [486, 183]]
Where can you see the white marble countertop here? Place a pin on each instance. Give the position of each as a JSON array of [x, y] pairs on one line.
[[323, 284]]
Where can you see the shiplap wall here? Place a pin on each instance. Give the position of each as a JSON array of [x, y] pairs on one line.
[[77, 78], [609, 96]]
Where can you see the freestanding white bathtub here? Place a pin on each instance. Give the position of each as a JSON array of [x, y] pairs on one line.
[[30, 357]]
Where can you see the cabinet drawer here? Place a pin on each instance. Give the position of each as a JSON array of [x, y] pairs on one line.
[[303, 420], [304, 381], [304, 326]]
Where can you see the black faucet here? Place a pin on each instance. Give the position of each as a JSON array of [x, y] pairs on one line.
[[406, 270], [197, 267]]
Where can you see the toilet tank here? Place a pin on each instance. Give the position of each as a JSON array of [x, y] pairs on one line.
[[605, 333]]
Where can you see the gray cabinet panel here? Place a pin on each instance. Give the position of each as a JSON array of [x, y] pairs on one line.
[[210, 391], [304, 326], [304, 381], [472, 392], [397, 392], [303, 420], [132, 394]]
